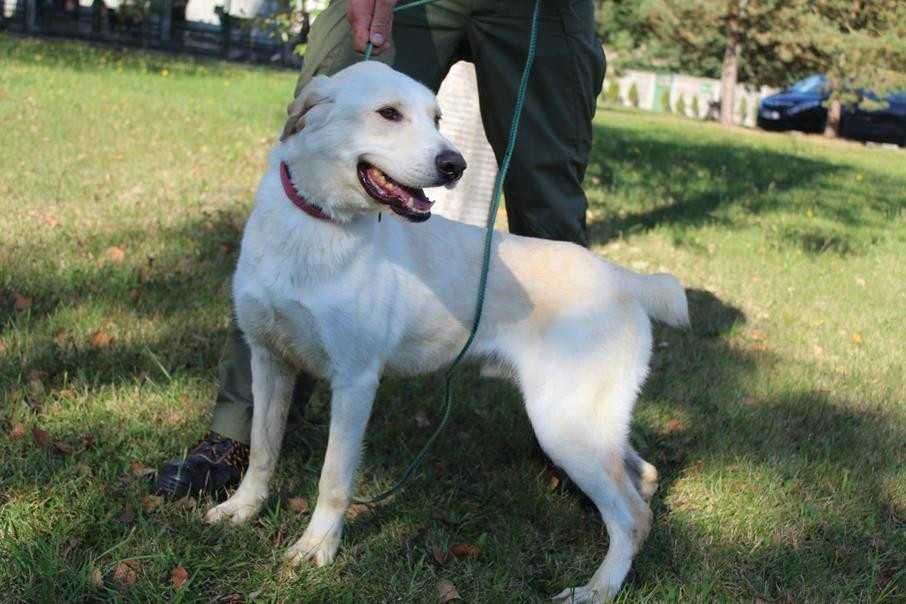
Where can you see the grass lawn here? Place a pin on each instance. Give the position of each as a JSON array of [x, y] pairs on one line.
[[778, 422]]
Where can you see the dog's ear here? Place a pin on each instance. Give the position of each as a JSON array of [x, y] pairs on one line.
[[315, 93]]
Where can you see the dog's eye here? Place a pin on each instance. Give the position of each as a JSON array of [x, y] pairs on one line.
[[390, 113]]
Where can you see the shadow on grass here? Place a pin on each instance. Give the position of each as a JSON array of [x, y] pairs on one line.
[[663, 180]]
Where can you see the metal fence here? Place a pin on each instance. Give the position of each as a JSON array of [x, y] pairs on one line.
[[156, 24]]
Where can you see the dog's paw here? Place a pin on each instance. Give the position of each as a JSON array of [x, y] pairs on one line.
[[584, 595], [319, 547], [235, 510]]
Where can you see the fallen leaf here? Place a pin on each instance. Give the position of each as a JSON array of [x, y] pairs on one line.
[[757, 335], [465, 550], [151, 503], [50, 220], [178, 577], [127, 515], [421, 419], [299, 505], [138, 469], [231, 599], [553, 481], [674, 425], [356, 510], [857, 337], [22, 302], [63, 448], [96, 578], [446, 591], [115, 254], [41, 437], [125, 574], [17, 431], [2, 346], [101, 339]]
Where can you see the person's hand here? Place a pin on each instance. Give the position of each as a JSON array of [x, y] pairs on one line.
[[371, 20]]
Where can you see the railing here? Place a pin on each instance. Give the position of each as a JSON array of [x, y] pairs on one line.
[[158, 24]]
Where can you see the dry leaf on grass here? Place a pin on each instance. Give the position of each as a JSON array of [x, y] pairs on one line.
[[50, 220], [178, 577], [151, 503], [96, 578], [356, 510], [41, 437], [125, 574], [674, 425], [2, 346], [465, 550], [21, 302], [115, 254], [446, 592], [101, 339], [299, 505], [17, 431], [138, 469]]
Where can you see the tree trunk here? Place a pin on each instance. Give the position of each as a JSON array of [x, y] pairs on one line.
[[730, 70], [834, 111]]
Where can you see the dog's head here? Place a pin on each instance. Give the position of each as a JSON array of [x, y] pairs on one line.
[[366, 139]]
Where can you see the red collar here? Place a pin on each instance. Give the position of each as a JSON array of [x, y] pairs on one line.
[[299, 201]]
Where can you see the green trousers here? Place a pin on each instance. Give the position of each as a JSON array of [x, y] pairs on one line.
[[544, 195]]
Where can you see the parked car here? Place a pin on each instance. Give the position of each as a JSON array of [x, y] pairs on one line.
[[799, 107], [881, 119], [802, 107]]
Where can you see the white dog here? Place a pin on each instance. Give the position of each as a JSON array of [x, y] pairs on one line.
[[324, 285]]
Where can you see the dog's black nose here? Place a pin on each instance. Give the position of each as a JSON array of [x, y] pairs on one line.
[[450, 165]]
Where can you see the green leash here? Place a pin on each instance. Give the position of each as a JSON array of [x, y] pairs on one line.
[[486, 259]]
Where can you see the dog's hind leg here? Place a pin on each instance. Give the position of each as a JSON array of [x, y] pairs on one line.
[[593, 458], [643, 474], [350, 407], [272, 385]]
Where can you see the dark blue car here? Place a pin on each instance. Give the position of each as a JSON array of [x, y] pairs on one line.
[[802, 106]]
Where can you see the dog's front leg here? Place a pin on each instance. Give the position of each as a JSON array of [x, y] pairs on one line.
[[350, 407], [272, 384]]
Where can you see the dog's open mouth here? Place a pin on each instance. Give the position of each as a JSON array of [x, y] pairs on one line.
[[408, 202]]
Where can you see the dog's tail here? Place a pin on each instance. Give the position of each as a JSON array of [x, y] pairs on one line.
[[662, 297]]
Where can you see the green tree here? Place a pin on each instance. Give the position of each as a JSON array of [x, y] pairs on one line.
[[665, 102], [696, 109], [681, 105], [857, 43]]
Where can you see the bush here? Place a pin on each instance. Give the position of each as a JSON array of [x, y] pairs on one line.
[[696, 110], [681, 105], [634, 95], [612, 94], [665, 102]]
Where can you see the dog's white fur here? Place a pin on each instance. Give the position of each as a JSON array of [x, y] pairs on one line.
[[351, 299]]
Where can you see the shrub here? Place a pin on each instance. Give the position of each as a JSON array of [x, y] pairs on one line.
[[612, 94], [665, 102], [681, 105], [634, 95], [696, 110]]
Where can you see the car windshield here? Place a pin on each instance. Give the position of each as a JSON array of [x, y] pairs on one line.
[[811, 85]]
